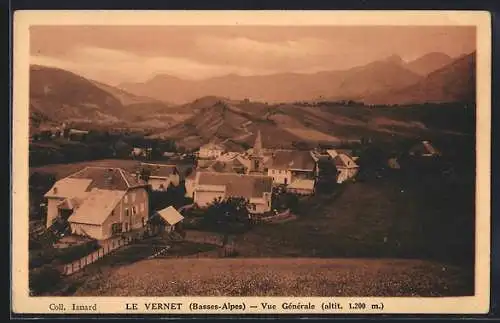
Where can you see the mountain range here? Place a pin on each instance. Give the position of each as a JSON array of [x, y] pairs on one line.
[[375, 78], [232, 108]]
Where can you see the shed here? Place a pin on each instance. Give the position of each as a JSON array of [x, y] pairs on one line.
[[169, 218]]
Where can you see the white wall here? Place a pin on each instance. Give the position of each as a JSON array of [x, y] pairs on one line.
[[94, 231], [346, 174], [203, 198], [189, 185], [279, 175], [209, 153]]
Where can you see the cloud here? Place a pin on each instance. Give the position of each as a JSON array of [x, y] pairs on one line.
[[114, 66]]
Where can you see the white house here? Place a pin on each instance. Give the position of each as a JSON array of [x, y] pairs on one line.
[[99, 202], [210, 151], [256, 188], [296, 169]]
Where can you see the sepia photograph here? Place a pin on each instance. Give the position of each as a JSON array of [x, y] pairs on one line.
[[252, 160]]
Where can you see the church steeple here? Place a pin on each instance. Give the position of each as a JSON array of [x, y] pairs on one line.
[[257, 146], [257, 158]]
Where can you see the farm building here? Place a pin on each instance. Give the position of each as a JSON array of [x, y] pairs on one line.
[[166, 220], [99, 202], [346, 167], [209, 186]]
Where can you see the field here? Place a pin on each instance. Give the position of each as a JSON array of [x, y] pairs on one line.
[[278, 277]]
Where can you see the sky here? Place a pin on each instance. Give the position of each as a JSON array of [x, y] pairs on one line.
[[117, 54]]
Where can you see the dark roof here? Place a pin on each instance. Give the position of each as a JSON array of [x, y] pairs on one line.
[[227, 166], [238, 185], [108, 178], [292, 159], [161, 170]]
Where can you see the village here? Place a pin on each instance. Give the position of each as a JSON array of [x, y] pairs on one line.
[[100, 211]]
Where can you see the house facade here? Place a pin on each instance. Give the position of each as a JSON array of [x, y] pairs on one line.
[[99, 202], [297, 170], [161, 175], [257, 189]]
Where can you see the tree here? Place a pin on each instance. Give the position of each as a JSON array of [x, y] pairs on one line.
[[327, 175], [227, 216]]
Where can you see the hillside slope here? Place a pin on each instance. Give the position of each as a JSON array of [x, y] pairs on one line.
[[58, 96]]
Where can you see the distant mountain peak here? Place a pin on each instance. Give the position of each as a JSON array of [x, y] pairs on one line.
[[396, 59], [429, 62]]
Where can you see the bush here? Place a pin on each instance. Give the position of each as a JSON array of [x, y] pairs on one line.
[[43, 279]]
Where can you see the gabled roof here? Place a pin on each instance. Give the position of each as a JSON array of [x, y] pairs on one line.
[[334, 152], [237, 185], [70, 203], [292, 160], [344, 161], [170, 215], [96, 208], [107, 178], [226, 167], [69, 188], [161, 170], [229, 156]]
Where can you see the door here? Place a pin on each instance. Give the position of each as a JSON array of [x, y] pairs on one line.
[[126, 226], [286, 180]]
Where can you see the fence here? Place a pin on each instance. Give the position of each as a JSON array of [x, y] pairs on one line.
[[81, 263]]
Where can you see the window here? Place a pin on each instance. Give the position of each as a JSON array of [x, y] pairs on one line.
[[143, 219], [142, 207], [133, 197], [125, 199], [126, 212], [134, 210], [112, 212], [116, 228]]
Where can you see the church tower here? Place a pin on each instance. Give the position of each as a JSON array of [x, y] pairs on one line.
[[257, 156]]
